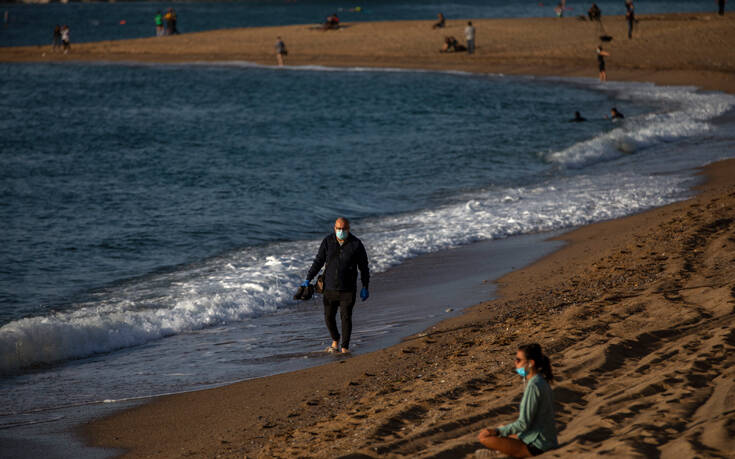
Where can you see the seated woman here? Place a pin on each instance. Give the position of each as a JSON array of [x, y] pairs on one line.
[[440, 23], [534, 432], [332, 22]]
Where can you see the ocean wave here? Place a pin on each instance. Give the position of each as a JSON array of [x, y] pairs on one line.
[[684, 112], [259, 280]]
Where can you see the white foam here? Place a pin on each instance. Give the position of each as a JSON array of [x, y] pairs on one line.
[[260, 280]]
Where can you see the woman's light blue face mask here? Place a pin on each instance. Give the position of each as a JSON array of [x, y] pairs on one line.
[[522, 370]]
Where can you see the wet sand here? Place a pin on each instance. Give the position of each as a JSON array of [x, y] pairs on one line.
[[637, 313]]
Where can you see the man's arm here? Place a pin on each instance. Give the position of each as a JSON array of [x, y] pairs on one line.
[[321, 257], [362, 265]]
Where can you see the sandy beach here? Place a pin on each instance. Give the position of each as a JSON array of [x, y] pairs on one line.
[[689, 49], [636, 314]]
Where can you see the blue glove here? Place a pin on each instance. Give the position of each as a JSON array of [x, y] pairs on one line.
[[305, 284], [364, 294]]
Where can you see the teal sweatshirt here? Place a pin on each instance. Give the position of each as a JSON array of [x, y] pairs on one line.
[[535, 423]]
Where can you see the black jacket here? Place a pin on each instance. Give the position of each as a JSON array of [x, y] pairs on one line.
[[342, 264]]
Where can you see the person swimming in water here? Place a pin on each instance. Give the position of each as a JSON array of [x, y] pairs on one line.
[[615, 114], [577, 118]]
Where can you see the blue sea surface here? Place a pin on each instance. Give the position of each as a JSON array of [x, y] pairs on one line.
[[156, 219], [32, 24]]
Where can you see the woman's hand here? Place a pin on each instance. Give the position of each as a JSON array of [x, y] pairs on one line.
[[490, 432]]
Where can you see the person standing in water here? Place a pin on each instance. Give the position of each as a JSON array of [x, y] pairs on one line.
[[534, 432], [280, 51], [601, 62], [344, 255]]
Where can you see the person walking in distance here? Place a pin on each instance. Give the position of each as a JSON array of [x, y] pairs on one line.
[[344, 255], [469, 34], [280, 51]]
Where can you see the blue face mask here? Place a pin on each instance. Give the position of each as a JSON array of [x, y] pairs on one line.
[[341, 234], [521, 371]]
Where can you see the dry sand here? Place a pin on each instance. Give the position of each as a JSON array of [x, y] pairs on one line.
[[637, 314]]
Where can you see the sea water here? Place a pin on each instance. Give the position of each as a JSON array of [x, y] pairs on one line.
[[33, 24], [156, 219]]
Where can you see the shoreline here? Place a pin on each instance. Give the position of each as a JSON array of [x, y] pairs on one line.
[[668, 49], [427, 395]]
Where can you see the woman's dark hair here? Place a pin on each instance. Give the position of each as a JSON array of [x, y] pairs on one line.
[[541, 362]]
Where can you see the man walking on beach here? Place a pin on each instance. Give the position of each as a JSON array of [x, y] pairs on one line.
[[343, 254], [469, 34]]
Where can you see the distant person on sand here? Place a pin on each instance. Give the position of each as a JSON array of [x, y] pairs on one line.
[[440, 23], [534, 432], [559, 10], [56, 44], [280, 51], [344, 255], [721, 7], [332, 22], [594, 13], [577, 118], [451, 45], [171, 19], [615, 114], [469, 34], [630, 17], [158, 20], [601, 62], [66, 39]]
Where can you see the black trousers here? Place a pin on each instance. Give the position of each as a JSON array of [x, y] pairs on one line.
[[344, 302]]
